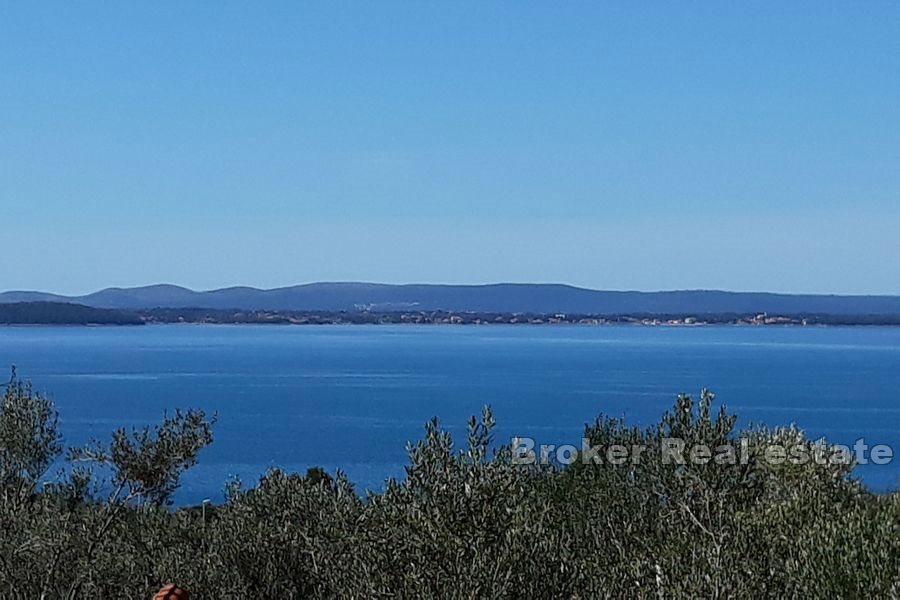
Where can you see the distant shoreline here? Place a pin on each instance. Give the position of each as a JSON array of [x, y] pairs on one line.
[[528, 298], [67, 314], [215, 316]]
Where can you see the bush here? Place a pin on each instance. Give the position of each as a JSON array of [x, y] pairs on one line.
[[462, 523]]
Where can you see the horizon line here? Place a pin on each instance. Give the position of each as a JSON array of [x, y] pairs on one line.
[[432, 284]]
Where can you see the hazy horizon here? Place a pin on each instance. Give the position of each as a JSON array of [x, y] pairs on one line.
[[415, 283]]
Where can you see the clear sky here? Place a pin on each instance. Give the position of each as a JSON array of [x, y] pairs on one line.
[[618, 145]]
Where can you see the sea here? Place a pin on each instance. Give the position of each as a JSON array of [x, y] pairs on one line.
[[350, 397]]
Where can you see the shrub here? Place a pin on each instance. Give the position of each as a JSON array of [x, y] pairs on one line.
[[463, 523]]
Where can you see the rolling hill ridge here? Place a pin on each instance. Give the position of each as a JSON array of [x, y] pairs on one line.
[[502, 297]]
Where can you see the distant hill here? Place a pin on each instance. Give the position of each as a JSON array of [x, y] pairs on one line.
[[63, 313], [502, 297]]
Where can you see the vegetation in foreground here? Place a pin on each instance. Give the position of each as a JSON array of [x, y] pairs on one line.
[[463, 523]]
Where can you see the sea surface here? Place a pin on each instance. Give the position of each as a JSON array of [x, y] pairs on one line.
[[350, 397]]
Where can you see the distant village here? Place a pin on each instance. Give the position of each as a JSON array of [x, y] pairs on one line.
[[61, 313], [167, 315]]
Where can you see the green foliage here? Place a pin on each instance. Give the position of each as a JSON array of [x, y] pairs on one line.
[[29, 440], [463, 523], [146, 464]]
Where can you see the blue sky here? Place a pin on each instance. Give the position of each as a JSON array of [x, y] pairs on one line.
[[745, 146]]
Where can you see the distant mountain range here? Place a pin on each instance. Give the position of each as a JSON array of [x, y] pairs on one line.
[[502, 297]]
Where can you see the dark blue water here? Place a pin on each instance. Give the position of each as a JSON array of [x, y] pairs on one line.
[[350, 397]]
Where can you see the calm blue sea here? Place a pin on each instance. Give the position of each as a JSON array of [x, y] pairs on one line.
[[350, 397]]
